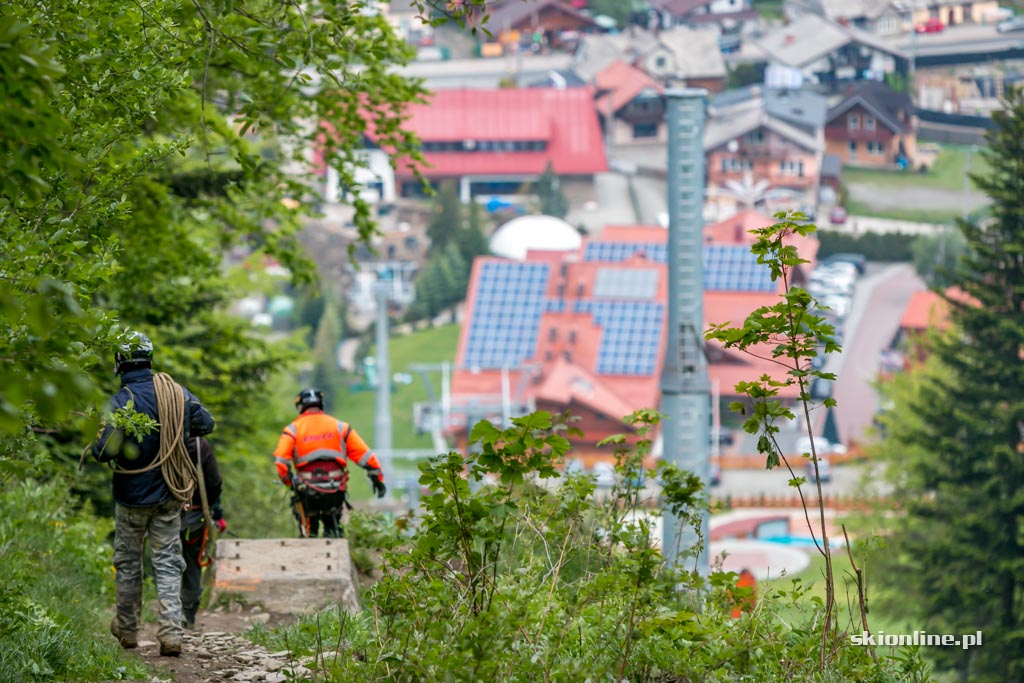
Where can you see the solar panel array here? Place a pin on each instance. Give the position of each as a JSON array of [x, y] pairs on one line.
[[613, 252], [727, 267], [626, 283], [733, 268], [630, 337], [506, 315]]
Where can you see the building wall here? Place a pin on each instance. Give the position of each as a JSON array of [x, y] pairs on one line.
[[950, 13], [857, 143], [624, 133], [712, 85], [772, 158], [377, 181]]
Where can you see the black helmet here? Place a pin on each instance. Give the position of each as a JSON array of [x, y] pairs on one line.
[[309, 398], [136, 351]]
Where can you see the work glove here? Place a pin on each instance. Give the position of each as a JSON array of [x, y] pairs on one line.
[[217, 512], [222, 525], [378, 486]]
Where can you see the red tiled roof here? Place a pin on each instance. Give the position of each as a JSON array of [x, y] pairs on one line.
[[565, 382], [566, 119], [928, 308], [619, 83]]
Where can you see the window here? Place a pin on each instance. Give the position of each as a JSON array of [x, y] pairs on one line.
[[792, 168], [572, 336], [645, 130], [552, 334], [853, 122], [660, 62], [875, 148], [869, 122], [756, 136], [853, 149]]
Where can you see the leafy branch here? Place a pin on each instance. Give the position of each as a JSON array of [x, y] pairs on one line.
[[790, 334]]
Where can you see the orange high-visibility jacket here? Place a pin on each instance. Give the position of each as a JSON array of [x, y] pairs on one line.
[[315, 435]]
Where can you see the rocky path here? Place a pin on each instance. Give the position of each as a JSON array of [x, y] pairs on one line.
[[216, 653]]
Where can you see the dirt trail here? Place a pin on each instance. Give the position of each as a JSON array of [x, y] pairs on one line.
[[215, 652]]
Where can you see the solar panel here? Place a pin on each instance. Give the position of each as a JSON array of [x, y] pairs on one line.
[[630, 335], [626, 283], [733, 268], [613, 252], [727, 267], [510, 298]]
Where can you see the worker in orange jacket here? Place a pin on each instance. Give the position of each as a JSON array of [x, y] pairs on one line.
[[319, 448]]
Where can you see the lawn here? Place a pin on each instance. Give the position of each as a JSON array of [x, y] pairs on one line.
[[359, 407], [770, 10], [947, 173], [933, 197], [911, 214], [813, 578]]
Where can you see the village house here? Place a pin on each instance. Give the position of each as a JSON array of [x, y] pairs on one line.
[[817, 52], [631, 105], [677, 57], [493, 142], [697, 12], [746, 146], [873, 126]]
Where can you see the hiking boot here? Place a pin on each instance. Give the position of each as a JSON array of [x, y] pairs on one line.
[[170, 649], [128, 640]]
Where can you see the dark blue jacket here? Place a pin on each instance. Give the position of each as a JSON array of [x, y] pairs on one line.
[[148, 488]]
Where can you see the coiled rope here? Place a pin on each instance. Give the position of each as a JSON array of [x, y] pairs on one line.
[[180, 473]]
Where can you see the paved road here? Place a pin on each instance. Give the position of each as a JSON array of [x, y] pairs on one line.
[[967, 38], [847, 479], [936, 199], [878, 306]]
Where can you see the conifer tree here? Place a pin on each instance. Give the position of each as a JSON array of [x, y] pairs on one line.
[[954, 441]]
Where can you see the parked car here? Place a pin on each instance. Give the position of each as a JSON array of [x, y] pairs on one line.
[[933, 25], [823, 447], [1011, 24], [716, 473], [837, 216], [824, 470], [858, 260]]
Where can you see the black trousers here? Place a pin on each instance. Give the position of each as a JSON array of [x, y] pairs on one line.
[[320, 509], [192, 578]]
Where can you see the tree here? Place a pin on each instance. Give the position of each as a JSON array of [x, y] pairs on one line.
[[954, 440], [447, 218], [936, 257], [139, 143], [326, 374], [472, 241], [549, 192]]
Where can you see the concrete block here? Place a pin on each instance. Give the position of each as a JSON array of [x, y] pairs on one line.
[[287, 576]]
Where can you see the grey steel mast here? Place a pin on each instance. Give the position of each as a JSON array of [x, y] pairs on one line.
[[685, 387]]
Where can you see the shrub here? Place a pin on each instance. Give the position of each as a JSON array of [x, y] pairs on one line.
[[57, 589], [517, 573]]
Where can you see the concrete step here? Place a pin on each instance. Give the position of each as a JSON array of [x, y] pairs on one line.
[[287, 576]]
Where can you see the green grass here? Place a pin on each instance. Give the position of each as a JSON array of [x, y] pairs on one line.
[[947, 173], [813, 578], [57, 592], [359, 407], [939, 217], [770, 10]]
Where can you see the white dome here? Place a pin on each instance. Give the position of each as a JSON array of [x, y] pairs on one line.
[[543, 233]]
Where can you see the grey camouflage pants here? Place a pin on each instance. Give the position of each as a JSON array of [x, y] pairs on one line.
[[131, 525]]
